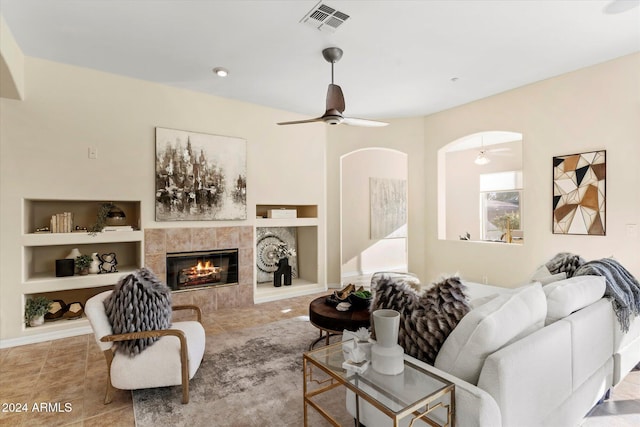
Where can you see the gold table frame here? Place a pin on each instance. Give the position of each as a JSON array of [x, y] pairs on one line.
[[337, 376]]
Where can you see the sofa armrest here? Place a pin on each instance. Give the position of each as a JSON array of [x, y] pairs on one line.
[[532, 377], [473, 406]]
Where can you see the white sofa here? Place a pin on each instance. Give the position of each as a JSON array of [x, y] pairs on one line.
[[548, 374]]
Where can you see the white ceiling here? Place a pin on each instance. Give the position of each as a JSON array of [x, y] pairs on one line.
[[399, 56]]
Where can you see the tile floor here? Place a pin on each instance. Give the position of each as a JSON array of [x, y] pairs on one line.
[[72, 371]]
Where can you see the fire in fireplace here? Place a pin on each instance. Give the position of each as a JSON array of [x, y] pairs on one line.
[[190, 270]]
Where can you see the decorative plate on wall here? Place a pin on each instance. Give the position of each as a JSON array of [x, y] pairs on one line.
[[268, 239]]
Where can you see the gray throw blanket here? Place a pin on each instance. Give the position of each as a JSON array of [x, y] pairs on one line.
[[622, 288]]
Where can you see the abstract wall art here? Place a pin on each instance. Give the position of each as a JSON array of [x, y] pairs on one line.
[[388, 199], [579, 193], [200, 177], [268, 238]]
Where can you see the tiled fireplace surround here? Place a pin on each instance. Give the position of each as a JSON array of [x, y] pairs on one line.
[[159, 241]]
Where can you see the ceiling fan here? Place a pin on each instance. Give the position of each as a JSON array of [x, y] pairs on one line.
[[335, 100], [482, 158]]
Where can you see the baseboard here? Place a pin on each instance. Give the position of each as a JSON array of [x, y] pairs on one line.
[[48, 336]]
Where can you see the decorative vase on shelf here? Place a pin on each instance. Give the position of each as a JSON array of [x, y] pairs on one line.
[[94, 268], [387, 357], [75, 253], [115, 216], [283, 273], [36, 321]]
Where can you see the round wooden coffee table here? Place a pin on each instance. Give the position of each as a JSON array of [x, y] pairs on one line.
[[333, 322]]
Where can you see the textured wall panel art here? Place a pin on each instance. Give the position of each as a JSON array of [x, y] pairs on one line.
[[388, 198], [579, 193], [200, 177]]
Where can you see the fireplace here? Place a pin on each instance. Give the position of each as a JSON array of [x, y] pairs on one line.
[[202, 269]]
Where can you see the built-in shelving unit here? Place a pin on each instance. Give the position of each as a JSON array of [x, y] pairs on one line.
[[306, 224], [40, 250]]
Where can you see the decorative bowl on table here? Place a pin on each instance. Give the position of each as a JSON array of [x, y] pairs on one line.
[[360, 300]]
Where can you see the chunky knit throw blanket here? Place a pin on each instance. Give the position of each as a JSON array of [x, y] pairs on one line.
[[622, 288], [139, 302], [425, 320]]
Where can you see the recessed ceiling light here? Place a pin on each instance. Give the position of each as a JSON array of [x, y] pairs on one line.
[[221, 72]]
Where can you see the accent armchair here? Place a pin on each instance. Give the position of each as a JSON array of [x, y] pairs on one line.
[[172, 360]]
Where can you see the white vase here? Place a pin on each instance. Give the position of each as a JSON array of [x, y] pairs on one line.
[[36, 321], [387, 357], [94, 268], [75, 253]]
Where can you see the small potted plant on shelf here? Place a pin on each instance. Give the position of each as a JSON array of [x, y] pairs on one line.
[[34, 310], [83, 262], [101, 219]]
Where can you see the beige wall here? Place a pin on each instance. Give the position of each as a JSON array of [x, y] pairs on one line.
[[44, 153], [405, 135], [11, 64], [591, 109], [360, 253]]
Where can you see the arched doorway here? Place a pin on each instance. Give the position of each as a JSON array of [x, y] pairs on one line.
[[373, 213]]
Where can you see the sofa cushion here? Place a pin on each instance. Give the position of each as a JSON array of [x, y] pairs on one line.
[[569, 295], [544, 276], [425, 319], [139, 302], [490, 327]]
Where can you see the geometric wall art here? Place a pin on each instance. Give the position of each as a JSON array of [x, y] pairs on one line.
[[200, 177], [579, 193]]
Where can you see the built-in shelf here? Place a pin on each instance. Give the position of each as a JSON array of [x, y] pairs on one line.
[[306, 225], [41, 250], [266, 292], [46, 283], [50, 239], [302, 211], [286, 222]]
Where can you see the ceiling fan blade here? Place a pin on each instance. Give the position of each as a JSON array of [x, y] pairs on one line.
[[296, 122], [352, 121], [335, 98]]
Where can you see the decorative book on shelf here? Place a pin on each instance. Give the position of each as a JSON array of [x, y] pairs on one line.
[[61, 223], [117, 228]]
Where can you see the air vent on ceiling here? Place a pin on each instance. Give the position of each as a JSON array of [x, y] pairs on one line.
[[324, 18]]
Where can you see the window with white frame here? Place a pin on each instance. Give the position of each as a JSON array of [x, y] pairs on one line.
[[500, 205]]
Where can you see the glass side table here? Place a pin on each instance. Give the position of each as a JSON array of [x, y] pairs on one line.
[[415, 393]]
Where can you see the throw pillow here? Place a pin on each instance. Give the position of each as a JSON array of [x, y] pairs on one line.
[[544, 276], [569, 295], [491, 326], [564, 262], [425, 320], [139, 302]]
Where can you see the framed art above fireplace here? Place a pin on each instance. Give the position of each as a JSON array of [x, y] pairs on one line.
[[200, 177]]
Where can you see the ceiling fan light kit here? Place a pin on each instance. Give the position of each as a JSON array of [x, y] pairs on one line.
[[335, 105], [481, 159]]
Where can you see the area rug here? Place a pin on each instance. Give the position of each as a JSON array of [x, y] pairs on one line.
[[251, 377]]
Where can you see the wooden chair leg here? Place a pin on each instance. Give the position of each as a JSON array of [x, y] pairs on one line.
[[184, 364], [108, 355]]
